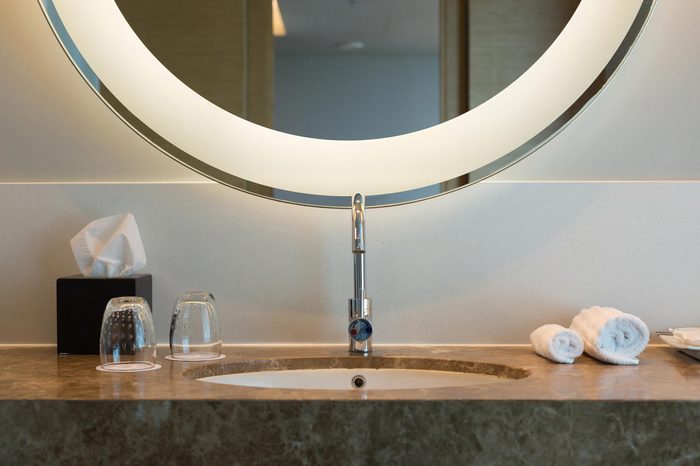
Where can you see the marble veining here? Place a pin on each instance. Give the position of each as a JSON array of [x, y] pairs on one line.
[[33, 373], [295, 432], [59, 410]]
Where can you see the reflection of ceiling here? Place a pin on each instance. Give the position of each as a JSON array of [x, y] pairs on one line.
[[384, 26]]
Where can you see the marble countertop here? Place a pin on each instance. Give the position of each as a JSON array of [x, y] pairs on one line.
[[37, 373], [60, 409]]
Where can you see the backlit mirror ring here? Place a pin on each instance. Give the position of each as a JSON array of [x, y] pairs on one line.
[[393, 170]]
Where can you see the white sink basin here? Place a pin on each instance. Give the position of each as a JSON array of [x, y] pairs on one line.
[[354, 379], [344, 372]]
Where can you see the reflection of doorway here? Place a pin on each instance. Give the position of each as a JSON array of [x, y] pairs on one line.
[[488, 44], [225, 51], [357, 69]]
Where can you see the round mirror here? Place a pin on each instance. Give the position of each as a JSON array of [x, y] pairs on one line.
[[308, 101], [347, 69]]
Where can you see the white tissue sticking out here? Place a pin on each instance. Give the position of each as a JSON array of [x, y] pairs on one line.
[[109, 247]]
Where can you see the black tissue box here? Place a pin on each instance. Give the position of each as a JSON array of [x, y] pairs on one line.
[[81, 302]]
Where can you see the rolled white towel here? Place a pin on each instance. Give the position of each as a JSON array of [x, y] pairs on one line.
[[610, 335], [557, 343]]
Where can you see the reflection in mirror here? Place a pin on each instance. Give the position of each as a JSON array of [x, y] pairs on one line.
[[176, 119], [348, 69]]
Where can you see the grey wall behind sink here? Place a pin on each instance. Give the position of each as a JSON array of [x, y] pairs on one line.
[[605, 214]]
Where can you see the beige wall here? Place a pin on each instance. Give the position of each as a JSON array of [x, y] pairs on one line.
[[486, 264]]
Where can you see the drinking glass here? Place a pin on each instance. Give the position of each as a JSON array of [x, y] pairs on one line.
[[194, 329], [127, 338]]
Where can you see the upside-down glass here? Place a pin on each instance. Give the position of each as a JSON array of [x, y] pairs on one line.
[[195, 333], [127, 338]]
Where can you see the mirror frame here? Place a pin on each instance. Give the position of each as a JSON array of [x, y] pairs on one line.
[[339, 170]]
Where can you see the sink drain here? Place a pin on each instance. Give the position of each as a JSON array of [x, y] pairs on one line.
[[358, 382]]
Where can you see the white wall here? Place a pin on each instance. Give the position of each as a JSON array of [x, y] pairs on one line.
[[485, 264], [52, 127], [645, 124]]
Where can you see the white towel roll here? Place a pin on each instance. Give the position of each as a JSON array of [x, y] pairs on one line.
[[610, 335], [557, 343]]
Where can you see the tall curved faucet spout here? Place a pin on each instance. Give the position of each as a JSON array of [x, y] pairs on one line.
[[358, 223], [358, 244], [360, 306]]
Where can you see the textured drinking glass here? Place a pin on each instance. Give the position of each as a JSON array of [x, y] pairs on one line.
[[127, 339], [194, 329]]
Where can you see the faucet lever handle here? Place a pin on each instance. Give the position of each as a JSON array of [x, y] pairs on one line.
[[360, 330], [358, 223]]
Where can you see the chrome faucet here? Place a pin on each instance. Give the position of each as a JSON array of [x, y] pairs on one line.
[[360, 306]]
